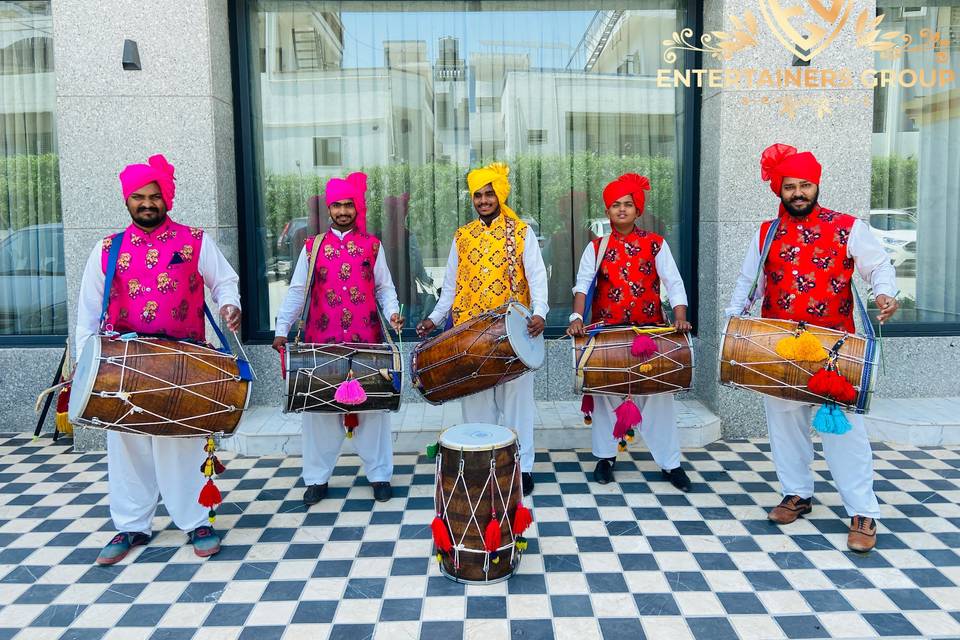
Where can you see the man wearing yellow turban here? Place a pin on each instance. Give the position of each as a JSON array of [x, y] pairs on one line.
[[493, 260]]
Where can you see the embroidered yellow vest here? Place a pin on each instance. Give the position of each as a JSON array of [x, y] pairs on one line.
[[485, 272]]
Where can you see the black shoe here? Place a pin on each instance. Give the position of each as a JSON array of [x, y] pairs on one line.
[[526, 479], [314, 494], [678, 478], [603, 473], [382, 491]]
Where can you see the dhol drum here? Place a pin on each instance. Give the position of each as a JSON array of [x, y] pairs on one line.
[[604, 364], [749, 360], [477, 355], [158, 387], [478, 481], [313, 372]]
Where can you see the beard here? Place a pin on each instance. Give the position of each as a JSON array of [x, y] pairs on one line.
[[798, 206]]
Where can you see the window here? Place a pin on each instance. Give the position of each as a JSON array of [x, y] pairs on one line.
[[417, 94], [33, 292], [916, 174]]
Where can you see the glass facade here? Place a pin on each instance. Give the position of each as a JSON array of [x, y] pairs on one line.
[[32, 280], [916, 165], [417, 93]]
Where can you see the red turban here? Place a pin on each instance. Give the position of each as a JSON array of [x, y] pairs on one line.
[[157, 169], [628, 183], [781, 161]]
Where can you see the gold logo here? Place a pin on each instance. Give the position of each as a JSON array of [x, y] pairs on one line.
[[807, 28]]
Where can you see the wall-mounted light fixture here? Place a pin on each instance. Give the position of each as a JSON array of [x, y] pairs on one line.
[[131, 56]]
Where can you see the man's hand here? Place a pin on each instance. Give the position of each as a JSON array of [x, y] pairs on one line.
[[396, 321], [535, 326], [576, 328], [425, 326], [231, 315], [888, 306], [278, 343], [683, 326]]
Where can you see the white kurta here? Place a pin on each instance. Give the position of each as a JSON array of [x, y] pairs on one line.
[[323, 433], [789, 423], [511, 404], [659, 427], [143, 469]]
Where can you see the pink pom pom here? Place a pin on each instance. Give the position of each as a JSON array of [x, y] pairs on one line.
[[350, 392], [628, 417], [643, 346]]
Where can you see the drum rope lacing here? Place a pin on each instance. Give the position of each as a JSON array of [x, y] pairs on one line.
[[635, 370], [313, 394], [125, 396], [493, 486]]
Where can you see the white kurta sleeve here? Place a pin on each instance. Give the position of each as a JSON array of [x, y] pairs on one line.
[[587, 270], [218, 275], [445, 303], [751, 264], [670, 277], [536, 273], [871, 260], [292, 304], [386, 292], [91, 299]]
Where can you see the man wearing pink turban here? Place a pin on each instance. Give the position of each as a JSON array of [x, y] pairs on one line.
[[341, 277], [802, 264], [160, 269]]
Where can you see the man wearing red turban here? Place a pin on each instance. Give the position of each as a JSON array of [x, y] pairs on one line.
[[633, 265], [807, 276], [161, 268]]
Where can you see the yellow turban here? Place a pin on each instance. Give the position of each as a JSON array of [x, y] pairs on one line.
[[494, 174]]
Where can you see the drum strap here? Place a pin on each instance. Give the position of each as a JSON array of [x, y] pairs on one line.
[[592, 290], [115, 242], [513, 270], [767, 243], [317, 241]]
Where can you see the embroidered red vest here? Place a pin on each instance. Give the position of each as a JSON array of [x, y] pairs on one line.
[[157, 288], [343, 303], [808, 272], [628, 285]]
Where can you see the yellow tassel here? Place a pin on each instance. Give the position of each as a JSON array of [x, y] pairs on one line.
[[496, 560], [629, 438], [521, 545], [63, 424], [621, 447], [439, 558], [786, 348], [646, 368], [808, 349]]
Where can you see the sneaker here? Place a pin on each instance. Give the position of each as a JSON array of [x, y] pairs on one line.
[[118, 548], [526, 479], [603, 472], [863, 534], [382, 491], [206, 541], [790, 508], [314, 494], [678, 478]]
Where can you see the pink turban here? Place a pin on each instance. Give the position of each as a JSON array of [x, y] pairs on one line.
[[157, 169], [781, 161], [628, 183], [354, 187]]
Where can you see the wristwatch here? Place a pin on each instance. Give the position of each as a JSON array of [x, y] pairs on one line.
[[574, 316]]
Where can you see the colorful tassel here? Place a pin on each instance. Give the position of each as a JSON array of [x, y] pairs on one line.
[[521, 519], [350, 391], [628, 417], [62, 419], [830, 383], [433, 449], [831, 419], [643, 347], [210, 496], [492, 535], [586, 408], [646, 368], [521, 544], [350, 422], [441, 535], [804, 347]]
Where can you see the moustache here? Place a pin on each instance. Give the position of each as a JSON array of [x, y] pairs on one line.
[[148, 209]]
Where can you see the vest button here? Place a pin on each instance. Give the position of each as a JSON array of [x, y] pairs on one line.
[[346, 288], [149, 244], [147, 289]]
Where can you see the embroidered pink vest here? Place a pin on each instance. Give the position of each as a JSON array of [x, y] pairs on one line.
[[157, 288], [343, 303]]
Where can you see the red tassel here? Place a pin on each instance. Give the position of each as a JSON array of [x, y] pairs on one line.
[[492, 536], [351, 421], [210, 495], [628, 417], [643, 346], [819, 382], [441, 536], [586, 408], [830, 383], [63, 399], [218, 467], [521, 519]]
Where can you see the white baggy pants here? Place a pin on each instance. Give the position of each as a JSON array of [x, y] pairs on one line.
[[509, 405], [848, 456], [143, 469], [658, 429], [323, 436]]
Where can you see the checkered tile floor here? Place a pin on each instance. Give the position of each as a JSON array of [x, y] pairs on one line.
[[636, 559]]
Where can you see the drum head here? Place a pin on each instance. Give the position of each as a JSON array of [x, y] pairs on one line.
[[84, 377], [530, 351], [477, 436]]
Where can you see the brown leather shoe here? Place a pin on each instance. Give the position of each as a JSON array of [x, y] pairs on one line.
[[863, 534], [790, 508]]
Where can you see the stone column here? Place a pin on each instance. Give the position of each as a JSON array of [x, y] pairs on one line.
[[180, 104]]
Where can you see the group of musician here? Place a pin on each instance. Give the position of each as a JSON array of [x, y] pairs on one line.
[[803, 272]]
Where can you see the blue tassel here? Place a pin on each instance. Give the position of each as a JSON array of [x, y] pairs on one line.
[[840, 423], [396, 380], [831, 419]]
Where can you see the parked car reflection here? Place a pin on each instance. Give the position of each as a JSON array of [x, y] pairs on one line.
[[896, 229], [33, 289]]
